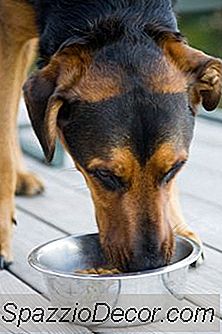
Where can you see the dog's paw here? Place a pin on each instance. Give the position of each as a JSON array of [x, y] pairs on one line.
[[28, 184], [194, 237], [4, 264], [6, 231], [198, 262], [191, 235]]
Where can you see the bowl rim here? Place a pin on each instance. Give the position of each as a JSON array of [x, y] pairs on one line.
[[191, 258]]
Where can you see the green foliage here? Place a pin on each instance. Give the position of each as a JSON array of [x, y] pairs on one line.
[[203, 31]]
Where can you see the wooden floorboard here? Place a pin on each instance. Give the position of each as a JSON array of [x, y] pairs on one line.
[[65, 207], [28, 234], [11, 284]]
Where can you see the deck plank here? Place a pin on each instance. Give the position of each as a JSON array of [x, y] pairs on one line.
[[63, 207], [30, 233], [9, 284]]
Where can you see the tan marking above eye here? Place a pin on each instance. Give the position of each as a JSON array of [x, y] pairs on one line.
[[124, 164], [121, 162], [165, 157]]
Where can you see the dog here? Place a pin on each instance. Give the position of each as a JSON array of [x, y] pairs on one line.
[[120, 86]]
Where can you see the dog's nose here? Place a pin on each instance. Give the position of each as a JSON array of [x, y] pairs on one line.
[[149, 248], [146, 261], [138, 258], [147, 253]]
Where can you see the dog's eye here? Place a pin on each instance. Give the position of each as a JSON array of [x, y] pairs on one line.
[[172, 172], [108, 179]]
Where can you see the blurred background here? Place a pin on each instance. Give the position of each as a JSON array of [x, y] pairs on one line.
[[200, 21]]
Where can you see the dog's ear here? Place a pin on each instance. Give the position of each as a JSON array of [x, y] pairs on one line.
[[204, 73], [43, 106], [45, 92]]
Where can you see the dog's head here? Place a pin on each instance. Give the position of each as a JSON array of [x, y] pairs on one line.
[[125, 112]]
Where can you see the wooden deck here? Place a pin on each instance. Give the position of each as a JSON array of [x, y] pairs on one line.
[[66, 208]]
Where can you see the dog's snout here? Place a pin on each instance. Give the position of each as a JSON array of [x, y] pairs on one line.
[[144, 252], [146, 260], [146, 255]]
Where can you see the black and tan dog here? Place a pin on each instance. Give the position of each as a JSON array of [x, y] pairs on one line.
[[120, 87]]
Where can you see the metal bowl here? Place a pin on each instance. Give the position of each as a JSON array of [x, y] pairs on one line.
[[58, 260]]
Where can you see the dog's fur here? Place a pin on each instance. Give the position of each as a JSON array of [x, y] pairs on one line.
[[120, 86]]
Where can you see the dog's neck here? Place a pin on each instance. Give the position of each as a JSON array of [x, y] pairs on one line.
[[61, 20]]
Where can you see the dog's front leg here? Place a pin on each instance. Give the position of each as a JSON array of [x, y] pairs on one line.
[[7, 152], [27, 183], [17, 28], [7, 184], [177, 221], [6, 226]]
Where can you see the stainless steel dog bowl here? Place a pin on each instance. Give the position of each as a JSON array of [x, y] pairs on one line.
[[58, 260]]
